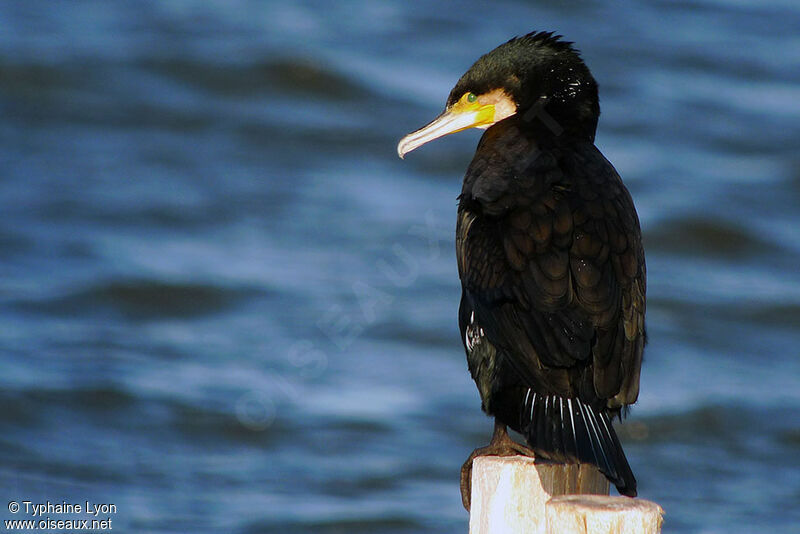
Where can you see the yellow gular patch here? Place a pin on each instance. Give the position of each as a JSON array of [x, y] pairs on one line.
[[490, 108]]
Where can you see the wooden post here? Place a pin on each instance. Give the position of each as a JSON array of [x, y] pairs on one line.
[[509, 493], [594, 514]]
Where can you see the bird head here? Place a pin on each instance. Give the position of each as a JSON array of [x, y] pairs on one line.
[[539, 78]]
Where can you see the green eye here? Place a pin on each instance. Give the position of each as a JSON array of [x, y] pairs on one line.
[[471, 97]]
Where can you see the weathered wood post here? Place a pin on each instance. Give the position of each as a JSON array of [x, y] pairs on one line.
[[509, 494], [595, 514], [517, 494]]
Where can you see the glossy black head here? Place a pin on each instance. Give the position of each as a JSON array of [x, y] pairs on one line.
[[538, 81], [538, 71]]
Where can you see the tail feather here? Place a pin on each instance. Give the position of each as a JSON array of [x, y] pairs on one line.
[[568, 432], [569, 429]]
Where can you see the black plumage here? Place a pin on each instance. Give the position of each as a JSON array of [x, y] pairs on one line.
[[549, 254]]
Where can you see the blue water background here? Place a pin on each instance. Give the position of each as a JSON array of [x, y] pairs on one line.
[[227, 306]]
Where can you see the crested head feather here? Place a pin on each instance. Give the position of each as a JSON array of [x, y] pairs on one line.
[[548, 38]]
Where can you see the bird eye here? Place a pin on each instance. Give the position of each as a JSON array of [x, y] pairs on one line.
[[471, 97]]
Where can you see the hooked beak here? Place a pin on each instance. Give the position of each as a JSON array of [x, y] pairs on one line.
[[446, 123], [462, 115], [482, 112]]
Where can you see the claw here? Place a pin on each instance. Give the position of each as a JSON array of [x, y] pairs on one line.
[[500, 445]]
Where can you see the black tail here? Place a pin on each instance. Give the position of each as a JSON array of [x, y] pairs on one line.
[[568, 429]]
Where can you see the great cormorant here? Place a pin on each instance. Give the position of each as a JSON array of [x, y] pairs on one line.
[[550, 258]]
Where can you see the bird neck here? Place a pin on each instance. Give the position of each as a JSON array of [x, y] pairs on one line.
[[553, 121], [533, 131]]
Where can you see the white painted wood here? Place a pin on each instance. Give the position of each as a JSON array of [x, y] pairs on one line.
[[509, 493], [595, 514]]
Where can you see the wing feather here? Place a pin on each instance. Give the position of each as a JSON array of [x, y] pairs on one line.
[[552, 264]]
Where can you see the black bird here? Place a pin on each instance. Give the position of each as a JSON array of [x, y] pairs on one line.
[[550, 258]]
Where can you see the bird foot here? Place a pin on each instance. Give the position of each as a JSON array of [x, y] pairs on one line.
[[500, 445]]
